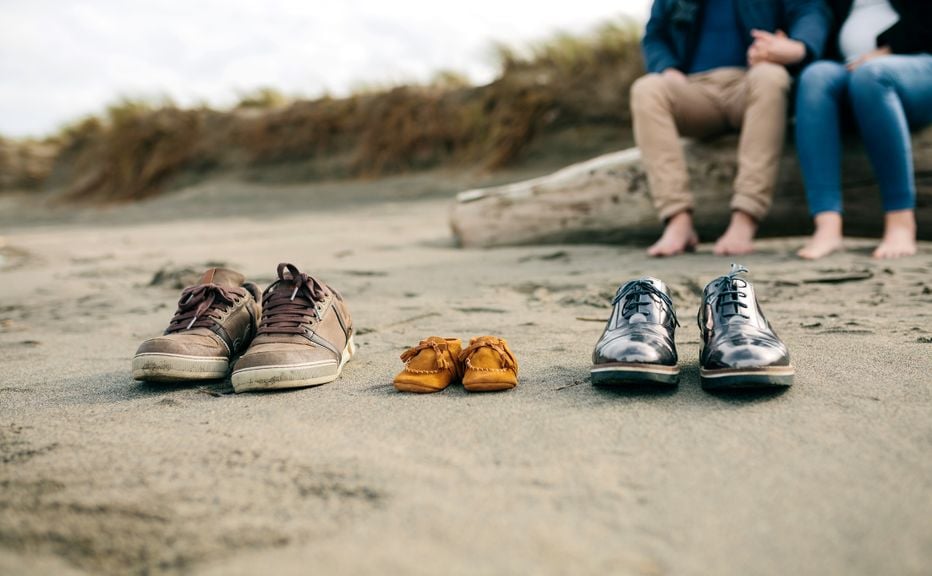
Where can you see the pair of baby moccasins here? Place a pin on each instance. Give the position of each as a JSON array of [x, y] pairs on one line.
[[486, 365]]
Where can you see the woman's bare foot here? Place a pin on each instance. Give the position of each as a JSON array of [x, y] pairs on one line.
[[739, 238], [826, 239], [678, 237], [899, 235]]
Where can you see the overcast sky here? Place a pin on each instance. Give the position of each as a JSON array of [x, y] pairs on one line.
[[60, 60]]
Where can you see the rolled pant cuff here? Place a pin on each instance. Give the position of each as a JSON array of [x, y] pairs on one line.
[[750, 205], [668, 211]]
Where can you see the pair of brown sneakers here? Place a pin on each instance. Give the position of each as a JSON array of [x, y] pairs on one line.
[[297, 333], [486, 365]]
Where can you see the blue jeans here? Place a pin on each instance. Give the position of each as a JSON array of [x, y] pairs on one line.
[[887, 96]]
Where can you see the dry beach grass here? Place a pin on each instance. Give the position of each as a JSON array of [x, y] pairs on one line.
[[139, 149]]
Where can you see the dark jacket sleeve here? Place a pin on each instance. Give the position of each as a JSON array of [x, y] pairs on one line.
[[913, 32], [656, 45], [810, 22]]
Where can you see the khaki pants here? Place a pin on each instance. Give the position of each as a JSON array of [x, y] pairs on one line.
[[710, 103]]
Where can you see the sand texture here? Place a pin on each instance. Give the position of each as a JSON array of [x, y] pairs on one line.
[[103, 475]]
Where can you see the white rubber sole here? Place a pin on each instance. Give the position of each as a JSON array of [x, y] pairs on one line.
[[156, 367], [292, 375]]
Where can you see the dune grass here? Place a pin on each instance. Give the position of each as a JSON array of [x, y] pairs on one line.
[[136, 148]]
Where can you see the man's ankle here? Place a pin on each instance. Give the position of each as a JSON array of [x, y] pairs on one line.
[[743, 220], [682, 219]]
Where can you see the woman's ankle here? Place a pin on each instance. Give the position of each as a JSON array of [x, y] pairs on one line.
[[828, 225], [899, 235], [900, 221]]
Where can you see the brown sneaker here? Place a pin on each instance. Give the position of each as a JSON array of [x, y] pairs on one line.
[[216, 320], [430, 366], [305, 338], [489, 365]]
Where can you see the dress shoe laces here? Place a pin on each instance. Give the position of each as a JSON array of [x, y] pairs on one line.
[[200, 306], [631, 294], [291, 303], [728, 293]]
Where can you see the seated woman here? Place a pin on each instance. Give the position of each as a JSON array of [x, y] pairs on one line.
[[885, 82]]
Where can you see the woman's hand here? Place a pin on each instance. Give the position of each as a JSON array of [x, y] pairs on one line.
[[777, 48], [675, 75], [856, 63]]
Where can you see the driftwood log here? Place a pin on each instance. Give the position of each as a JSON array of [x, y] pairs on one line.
[[606, 199]]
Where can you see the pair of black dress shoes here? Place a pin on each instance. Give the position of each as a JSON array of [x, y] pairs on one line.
[[739, 348]]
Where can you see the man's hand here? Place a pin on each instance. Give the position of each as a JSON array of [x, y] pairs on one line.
[[856, 63], [776, 48], [674, 75]]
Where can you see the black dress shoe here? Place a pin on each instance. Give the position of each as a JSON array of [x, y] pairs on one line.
[[637, 346], [739, 347]]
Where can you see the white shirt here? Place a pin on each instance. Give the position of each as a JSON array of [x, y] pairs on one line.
[[867, 19]]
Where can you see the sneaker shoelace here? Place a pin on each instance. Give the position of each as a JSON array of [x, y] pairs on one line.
[[729, 293], [495, 344], [631, 295], [291, 302], [438, 347], [200, 306]]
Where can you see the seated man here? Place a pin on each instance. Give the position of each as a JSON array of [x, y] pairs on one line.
[[716, 66]]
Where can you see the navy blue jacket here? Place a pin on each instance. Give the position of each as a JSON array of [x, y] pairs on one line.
[[674, 25]]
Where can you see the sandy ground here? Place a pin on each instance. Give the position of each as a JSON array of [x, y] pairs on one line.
[[101, 474]]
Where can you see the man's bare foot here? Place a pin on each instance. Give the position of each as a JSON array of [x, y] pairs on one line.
[[899, 235], [826, 239], [739, 238], [678, 237]]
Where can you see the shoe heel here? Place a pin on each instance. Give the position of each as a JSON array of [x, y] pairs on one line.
[[348, 352]]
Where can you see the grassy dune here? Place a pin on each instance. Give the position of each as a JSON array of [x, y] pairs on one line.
[[566, 83]]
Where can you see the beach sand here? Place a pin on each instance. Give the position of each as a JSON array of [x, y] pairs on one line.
[[104, 475]]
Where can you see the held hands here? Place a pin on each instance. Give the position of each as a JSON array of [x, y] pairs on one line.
[[877, 53], [777, 48], [674, 75]]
